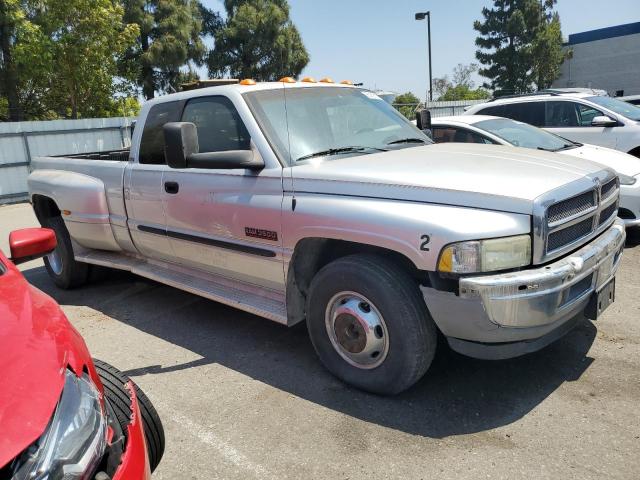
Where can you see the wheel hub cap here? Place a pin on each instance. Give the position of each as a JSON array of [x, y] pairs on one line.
[[55, 261], [357, 330]]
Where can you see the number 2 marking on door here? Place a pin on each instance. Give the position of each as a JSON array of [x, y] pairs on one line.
[[425, 241]]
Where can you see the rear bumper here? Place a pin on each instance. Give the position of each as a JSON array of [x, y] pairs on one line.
[[530, 307], [134, 464]]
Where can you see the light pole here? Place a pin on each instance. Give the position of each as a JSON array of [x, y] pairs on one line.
[[422, 16]]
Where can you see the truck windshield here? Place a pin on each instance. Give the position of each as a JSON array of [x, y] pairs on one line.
[[625, 109], [323, 122], [524, 135]]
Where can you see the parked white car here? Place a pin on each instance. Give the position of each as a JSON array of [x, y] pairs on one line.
[[581, 115], [504, 131]]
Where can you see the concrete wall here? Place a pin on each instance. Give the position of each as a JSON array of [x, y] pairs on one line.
[[21, 141], [610, 64]]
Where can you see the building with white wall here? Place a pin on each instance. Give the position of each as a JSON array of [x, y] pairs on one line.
[[607, 58]]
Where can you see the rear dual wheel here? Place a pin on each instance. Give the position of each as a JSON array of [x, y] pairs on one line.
[[369, 324]]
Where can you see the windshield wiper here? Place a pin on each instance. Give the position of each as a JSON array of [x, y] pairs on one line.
[[568, 146], [407, 140], [338, 151]]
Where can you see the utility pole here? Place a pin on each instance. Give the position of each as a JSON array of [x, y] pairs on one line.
[[422, 16]]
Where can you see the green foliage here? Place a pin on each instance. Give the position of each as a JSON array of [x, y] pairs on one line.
[[464, 92], [520, 44], [63, 54], [257, 40], [170, 37], [406, 104]]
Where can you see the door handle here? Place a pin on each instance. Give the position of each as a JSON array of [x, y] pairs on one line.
[[171, 187]]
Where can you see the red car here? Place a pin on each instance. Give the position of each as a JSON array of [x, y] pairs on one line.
[[62, 414]]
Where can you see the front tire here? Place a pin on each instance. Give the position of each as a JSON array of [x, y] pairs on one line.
[[369, 324], [61, 264], [113, 381]]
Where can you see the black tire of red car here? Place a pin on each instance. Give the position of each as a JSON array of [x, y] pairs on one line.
[[113, 381], [68, 273], [410, 331]]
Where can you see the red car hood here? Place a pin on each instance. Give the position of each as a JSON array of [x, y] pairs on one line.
[[37, 344]]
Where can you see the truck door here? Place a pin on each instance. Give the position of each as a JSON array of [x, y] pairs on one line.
[[225, 221], [144, 189]]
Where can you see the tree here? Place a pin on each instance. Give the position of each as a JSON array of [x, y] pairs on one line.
[[81, 40], [464, 92], [169, 39], [462, 87], [257, 40], [513, 41], [13, 24], [407, 104]]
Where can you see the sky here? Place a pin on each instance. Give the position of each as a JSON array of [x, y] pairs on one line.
[[378, 42]]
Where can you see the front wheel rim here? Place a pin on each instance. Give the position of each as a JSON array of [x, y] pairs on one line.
[[55, 262], [357, 330]]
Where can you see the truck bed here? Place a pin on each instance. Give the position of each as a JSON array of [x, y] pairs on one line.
[[121, 155]]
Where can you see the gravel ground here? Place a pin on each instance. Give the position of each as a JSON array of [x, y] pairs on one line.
[[242, 397]]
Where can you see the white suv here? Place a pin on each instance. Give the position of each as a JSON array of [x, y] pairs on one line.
[[582, 115]]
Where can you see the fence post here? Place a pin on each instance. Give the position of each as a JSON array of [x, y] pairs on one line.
[[27, 150]]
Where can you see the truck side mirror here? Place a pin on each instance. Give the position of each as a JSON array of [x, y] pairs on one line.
[[180, 142], [423, 119], [181, 150]]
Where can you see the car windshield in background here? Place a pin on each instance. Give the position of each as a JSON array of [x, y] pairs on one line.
[[523, 135], [625, 109], [323, 122]]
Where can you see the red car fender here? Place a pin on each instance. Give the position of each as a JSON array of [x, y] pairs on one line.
[[135, 461]]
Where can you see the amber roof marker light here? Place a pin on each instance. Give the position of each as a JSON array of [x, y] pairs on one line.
[[309, 80], [248, 81], [287, 80], [326, 80]]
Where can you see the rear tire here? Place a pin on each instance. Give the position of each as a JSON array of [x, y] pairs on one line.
[[399, 341], [113, 381], [61, 264]]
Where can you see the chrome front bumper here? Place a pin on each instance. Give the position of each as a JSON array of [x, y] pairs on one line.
[[529, 304], [541, 296]]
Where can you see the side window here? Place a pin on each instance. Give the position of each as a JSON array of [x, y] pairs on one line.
[[218, 123], [587, 114], [443, 134], [562, 114], [152, 142], [526, 112], [496, 111]]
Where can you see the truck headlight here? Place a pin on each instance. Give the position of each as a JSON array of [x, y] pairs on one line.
[[486, 255], [74, 442], [626, 179]]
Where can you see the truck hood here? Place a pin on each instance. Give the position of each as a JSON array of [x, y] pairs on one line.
[[619, 161], [469, 175], [37, 344]]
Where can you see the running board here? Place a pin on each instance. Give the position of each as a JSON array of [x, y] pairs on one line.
[[249, 298]]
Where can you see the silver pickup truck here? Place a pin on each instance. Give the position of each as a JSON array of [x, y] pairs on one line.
[[318, 202]]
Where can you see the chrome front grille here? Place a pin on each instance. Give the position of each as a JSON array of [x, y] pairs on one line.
[[571, 207], [567, 223], [560, 238]]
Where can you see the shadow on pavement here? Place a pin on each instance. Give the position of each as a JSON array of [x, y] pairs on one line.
[[457, 396]]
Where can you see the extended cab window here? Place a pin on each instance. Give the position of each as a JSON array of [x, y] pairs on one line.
[[152, 142], [218, 123]]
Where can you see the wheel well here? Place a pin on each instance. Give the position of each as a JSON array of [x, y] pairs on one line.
[[44, 207], [311, 254], [635, 152]]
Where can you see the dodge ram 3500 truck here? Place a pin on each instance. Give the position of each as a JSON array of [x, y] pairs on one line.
[[318, 202]]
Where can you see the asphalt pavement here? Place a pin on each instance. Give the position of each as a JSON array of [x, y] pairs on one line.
[[244, 398]]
